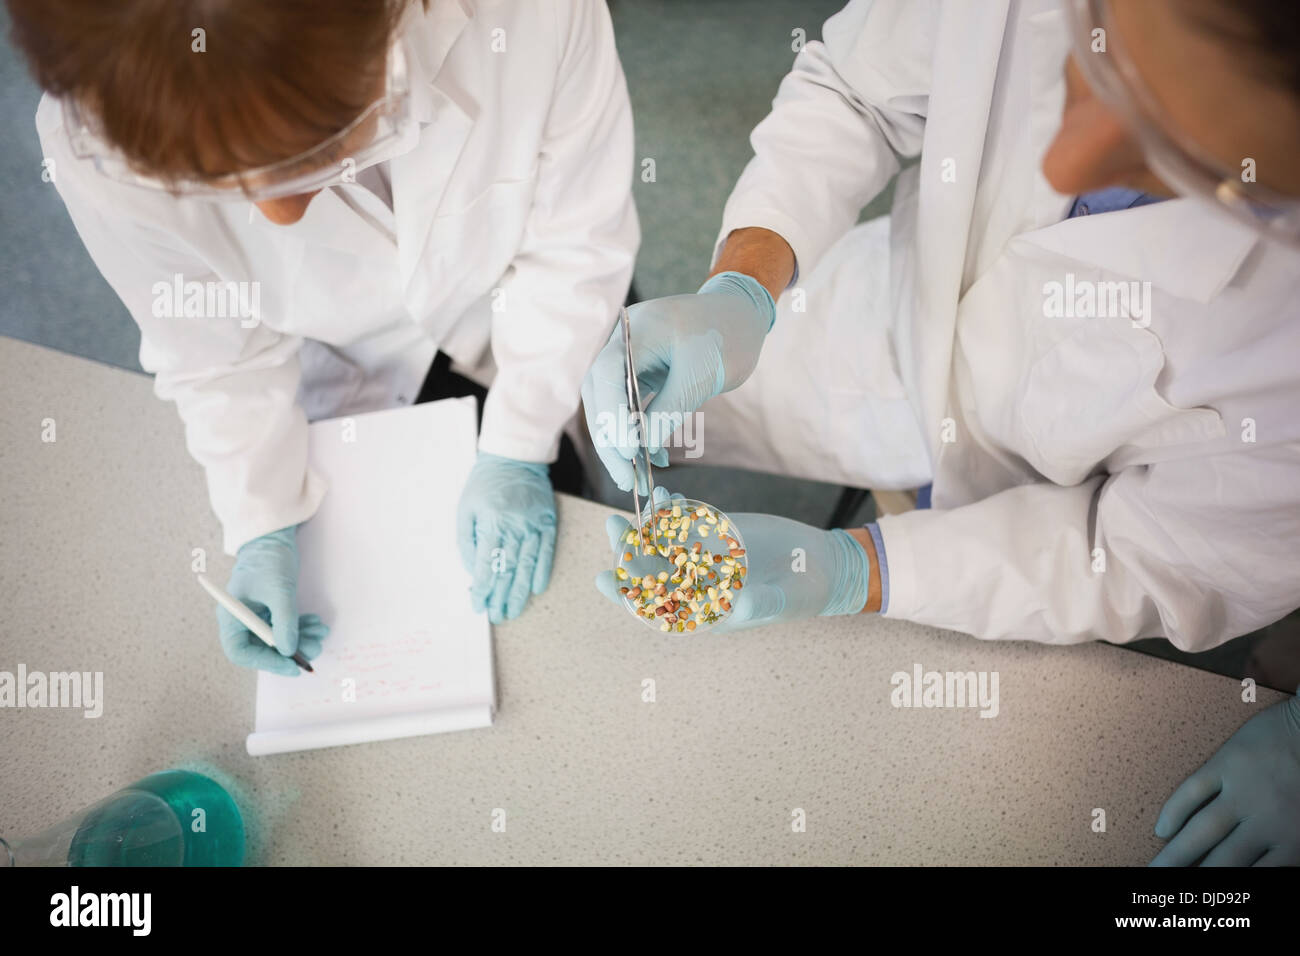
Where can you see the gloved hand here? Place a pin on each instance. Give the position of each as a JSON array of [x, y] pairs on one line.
[[1252, 784], [265, 577], [686, 348], [828, 574], [506, 533]]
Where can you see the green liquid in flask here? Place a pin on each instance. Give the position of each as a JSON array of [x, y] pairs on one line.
[[173, 818]]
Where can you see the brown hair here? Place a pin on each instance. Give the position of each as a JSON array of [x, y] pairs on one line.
[[1264, 33], [276, 77]]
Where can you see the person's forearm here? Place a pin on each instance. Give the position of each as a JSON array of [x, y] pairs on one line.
[[863, 537], [760, 253]]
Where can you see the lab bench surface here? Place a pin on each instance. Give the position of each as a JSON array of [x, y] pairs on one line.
[[613, 744]]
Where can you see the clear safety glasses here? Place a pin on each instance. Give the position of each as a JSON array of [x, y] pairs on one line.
[[1113, 76], [366, 141]]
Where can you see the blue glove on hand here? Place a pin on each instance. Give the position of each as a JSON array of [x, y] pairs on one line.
[[686, 348], [1252, 784], [795, 570], [506, 533], [265, 577]]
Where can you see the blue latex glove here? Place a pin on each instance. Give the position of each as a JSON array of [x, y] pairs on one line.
[[687, 348], [506, 533], [1252, 784], [833, 579], [265, 577]]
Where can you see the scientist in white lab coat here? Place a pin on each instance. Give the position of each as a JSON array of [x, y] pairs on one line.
[[1080, 324], [367, 184]]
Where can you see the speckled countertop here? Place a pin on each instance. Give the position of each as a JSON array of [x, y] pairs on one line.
[[96, 539]]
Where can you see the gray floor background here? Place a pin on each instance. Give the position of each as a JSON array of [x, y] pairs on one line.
[[701, 74]]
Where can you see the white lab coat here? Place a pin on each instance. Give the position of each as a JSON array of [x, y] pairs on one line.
[[509, 244], [1093, 478]]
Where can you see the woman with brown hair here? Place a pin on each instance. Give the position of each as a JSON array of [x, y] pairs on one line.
[[305, 206]]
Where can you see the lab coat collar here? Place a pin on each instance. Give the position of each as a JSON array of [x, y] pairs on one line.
[[420, 176], [329, 221], [944, 216], [1185, 247], [429, 38]]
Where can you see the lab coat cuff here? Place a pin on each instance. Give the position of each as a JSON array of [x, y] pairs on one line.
[[897, 573], [519, 447], [243, 528], [522, 423], [805, 251], [883, 563]]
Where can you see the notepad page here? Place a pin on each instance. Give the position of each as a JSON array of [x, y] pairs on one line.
[[406, 655]]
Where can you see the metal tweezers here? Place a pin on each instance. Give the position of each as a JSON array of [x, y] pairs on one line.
[[637, 414]]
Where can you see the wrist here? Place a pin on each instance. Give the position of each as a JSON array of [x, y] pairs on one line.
[[851, 586], [875, 590], [285, 537], [536, 467], [743, 286], [761, 253]]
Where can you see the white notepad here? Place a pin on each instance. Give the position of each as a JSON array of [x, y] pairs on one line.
[[405, 655]]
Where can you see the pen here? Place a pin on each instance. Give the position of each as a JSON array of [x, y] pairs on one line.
[[247, 618]]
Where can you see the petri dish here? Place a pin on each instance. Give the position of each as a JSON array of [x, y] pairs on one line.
[[680, 570]]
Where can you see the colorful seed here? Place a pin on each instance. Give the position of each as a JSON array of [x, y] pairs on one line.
[[697, 586]]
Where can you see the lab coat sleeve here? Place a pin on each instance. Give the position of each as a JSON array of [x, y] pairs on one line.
[[574, 265], [234, 387], [1197, 551], [849, 104]]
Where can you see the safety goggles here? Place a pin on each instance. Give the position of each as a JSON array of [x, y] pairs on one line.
[[371, 138], [1110, 70]]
